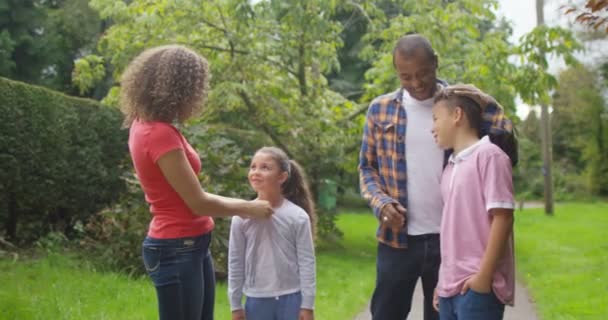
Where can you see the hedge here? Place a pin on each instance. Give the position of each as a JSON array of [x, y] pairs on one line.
[[61, 159]]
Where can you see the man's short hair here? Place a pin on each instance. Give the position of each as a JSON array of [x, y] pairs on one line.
[[410, 44]]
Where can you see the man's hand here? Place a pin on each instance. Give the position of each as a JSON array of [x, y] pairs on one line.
[[306, 314], [478, 283], [435, 300], [472, 92], [393, 215], [238, 315]]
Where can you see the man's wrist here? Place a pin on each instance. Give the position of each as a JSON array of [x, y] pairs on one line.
[[381, 210]]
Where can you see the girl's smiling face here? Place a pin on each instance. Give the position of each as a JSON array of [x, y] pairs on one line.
[[265, 173]]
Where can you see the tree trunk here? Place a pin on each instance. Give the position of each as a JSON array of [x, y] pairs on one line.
[[546, 131], [13, 217], [302, 70]]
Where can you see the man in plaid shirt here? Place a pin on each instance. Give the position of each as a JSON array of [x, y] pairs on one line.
[[400, 169]]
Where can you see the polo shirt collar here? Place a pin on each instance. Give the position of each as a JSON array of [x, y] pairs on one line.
[[464, 154]]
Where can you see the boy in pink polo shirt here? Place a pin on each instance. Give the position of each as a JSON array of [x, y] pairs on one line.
[[476, 277]]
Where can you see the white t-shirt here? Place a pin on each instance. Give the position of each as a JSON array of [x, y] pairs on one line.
[[424, 166]]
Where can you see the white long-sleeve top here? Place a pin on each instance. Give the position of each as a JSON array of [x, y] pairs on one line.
[[272, 257]]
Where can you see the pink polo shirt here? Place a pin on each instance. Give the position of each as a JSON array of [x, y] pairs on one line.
[[475, 180]]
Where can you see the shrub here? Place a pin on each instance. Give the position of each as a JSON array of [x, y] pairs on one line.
[[112, 238], [61, 159]]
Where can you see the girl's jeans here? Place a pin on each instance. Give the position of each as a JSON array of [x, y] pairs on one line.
[[286, 307]]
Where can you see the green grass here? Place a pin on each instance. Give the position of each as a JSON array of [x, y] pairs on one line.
[[60, 287], [345, 276], [564, 260], [57, 287]]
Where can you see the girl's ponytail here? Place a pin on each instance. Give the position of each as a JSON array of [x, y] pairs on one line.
[[296, 190]]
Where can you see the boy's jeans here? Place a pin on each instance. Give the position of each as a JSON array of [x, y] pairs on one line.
[[471, 306], [183, 275], [286, 307]]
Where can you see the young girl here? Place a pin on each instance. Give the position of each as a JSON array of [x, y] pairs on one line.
[[476, 276], [161, 87], [272, 261]]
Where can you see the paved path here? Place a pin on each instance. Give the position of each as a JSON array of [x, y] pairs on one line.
[[523, 309]]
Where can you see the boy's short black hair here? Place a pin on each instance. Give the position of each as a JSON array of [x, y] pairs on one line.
[[474, 114], [471, 109]]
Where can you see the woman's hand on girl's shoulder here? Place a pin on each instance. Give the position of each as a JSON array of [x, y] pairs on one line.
[[258, 209], [238, 315], [306, 314]]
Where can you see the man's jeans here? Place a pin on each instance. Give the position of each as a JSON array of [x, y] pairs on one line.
[[182, 272], [286, 307], [471, 306], [397, 272]]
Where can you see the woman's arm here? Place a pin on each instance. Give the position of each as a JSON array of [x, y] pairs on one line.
[[176, 169]]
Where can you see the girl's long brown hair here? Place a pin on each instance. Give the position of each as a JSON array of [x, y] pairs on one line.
[[295, 188]]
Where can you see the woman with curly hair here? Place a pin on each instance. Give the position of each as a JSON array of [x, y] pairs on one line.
[[161, 87]]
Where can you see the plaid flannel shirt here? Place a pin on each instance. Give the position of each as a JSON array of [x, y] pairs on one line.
[[382, 164]]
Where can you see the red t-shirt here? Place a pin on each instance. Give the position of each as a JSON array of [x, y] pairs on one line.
[[171, 217]]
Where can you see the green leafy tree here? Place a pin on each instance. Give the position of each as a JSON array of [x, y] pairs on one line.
[[268, 63], [532, 79], [72, 31], [22, 40], [527, 176], [40, 39], [580, 128], [470, 48]]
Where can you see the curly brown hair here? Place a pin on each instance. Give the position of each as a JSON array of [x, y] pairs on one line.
[[167, 83]]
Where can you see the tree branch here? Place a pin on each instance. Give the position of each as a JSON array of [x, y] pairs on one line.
[[267, 129], [226, 33], [362, 109], [223, 49], [215, 26], [302, 68]]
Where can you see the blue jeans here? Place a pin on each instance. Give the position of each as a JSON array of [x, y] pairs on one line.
[[182, 273], [397, 272], [471, 306], [286, 307]]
